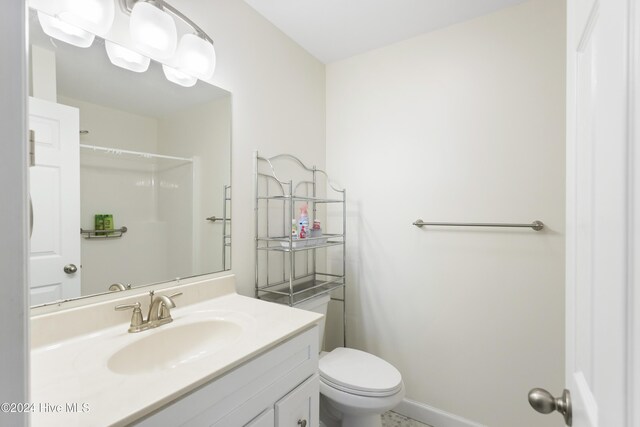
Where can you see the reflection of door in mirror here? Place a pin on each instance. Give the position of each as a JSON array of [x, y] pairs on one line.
[[55, 183]]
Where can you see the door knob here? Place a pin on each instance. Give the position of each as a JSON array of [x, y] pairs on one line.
[[542, 401], [70, 268]]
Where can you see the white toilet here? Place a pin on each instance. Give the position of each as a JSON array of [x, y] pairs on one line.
[[356, 388]]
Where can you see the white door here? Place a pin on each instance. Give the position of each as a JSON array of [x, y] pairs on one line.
[[55, 194], [599, 216]]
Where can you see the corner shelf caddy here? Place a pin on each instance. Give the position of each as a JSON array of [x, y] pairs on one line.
[[291, 271]]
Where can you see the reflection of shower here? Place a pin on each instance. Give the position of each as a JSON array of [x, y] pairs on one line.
[[153, 195], [226, 230], [118, 151], [226, 227]]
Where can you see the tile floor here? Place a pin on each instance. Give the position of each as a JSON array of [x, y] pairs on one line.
[[391, 419]]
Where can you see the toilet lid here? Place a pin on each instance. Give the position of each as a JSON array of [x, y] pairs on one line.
[[361, 373]]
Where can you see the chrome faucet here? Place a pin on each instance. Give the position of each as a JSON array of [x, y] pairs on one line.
[[159, 312], [159, 308]]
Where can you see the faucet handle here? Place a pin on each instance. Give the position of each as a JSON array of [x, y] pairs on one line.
[[136, 318], [122, 307]]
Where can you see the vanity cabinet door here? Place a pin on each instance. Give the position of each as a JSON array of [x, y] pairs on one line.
[[301, 407], [266, 419]]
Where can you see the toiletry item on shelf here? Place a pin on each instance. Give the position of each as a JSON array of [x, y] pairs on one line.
[[316, 230], [98, 223], [303, 222], [296, 242], [108, 222]]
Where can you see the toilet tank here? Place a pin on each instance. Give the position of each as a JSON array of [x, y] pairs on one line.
[[318, 304]]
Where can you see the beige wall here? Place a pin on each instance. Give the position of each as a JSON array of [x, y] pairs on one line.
[[462, 124], [278, 105]]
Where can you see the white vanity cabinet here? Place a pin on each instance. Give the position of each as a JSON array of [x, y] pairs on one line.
[[299, 408], [278, 387]]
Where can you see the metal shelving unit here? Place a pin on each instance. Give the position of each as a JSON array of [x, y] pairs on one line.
[[290, 271]]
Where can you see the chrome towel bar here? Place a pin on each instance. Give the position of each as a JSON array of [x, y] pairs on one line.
[[536, 225], [214, 219]]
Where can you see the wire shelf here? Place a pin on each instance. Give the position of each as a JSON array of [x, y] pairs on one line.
[[286, 268]]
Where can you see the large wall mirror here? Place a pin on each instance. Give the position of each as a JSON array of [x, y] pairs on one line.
[[131, 179]]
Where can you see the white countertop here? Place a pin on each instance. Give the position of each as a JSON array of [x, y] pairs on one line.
[[74, 370]]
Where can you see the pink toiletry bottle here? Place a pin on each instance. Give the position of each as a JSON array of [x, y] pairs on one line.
[[303, 223]]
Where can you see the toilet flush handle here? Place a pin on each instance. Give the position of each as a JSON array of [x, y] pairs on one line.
[[302, 423]]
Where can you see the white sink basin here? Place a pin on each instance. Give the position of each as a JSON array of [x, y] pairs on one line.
[[173, 345]]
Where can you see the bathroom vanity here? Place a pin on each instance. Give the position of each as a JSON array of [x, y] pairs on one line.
[[224, 360]]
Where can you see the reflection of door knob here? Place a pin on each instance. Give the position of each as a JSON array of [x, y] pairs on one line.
[[542, 401], [70, 268]]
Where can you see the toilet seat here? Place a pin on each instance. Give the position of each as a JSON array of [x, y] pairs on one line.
[[356, 372]]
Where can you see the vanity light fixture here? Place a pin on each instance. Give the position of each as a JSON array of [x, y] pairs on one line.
[[95, 16], [126, 58], [153, 31], [58, 29], [194, 56], [178, 77]]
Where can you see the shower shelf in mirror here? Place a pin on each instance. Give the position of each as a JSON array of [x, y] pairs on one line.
[[103, 234], [292, 270]]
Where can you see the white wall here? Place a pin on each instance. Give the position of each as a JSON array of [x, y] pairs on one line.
[[462, 124], [278, 105]]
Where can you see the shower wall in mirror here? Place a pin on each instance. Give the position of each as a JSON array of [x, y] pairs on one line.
[[131, 182]]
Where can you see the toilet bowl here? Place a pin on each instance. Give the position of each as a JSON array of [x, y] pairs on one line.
[[356, 387]]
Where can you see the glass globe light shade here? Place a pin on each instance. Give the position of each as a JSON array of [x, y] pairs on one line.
[[95, 16], [178, 77], [64, 31], [153, 31], [126, 58], [196, 57]]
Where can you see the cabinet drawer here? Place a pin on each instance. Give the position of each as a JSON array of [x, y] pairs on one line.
[[301, 407]]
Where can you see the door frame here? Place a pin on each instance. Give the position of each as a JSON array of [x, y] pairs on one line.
[[14, 253], [633, 285]]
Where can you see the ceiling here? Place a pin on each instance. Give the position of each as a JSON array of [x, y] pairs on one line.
[[336, 29]]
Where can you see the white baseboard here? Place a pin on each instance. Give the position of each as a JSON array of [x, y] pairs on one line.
[[432, 416]]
